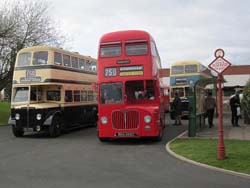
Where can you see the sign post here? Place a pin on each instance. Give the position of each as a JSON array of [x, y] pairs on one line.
[[220, 65]]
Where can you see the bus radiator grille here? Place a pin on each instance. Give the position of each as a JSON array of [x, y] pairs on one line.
[[125, 119]]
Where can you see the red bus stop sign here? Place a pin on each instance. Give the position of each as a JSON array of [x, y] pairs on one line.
[[219, 64]]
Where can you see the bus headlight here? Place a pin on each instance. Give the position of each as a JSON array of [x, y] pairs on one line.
[[38, 116], [17, 117], [104, 120], [147, 119]]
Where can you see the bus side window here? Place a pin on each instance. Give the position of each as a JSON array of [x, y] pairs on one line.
[[90, 95], [33, 94], [77, 96], [68, 96], [83, 95]]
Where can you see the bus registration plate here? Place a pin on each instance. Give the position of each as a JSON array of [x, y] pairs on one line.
[[126, 134], [28, 129]]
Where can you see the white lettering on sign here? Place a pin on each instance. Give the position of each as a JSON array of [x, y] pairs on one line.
[[219, 65]]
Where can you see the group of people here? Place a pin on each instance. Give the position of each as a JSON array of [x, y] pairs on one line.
[[210, 105]]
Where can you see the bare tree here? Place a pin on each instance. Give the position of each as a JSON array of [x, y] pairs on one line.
[[24, 24]]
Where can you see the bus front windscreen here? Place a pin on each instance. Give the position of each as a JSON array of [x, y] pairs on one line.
[[111, 93], [21, 94], [179, 91]]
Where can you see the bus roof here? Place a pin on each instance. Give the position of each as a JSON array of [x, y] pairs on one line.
[[51, 48], [125, 35], [187, 62]]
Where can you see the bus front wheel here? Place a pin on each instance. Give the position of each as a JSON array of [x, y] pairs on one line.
[[55, 128], [17, 132]]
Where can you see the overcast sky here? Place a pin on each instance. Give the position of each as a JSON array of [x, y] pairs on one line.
[[182, 29]]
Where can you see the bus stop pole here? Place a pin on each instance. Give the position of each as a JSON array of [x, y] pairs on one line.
[[221, 146]]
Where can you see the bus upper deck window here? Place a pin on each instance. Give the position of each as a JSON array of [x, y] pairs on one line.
[[82, 64], [191, 68], [74, 62], [136, 48], [177, 69], [40, 58], [66, 60], [93, 66], [57, 58], [110, 50], [24, 59]]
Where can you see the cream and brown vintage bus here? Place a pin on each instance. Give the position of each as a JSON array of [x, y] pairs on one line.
[[52, 91]]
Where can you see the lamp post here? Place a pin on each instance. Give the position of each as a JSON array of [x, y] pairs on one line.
[[220, 65], [221, 146]]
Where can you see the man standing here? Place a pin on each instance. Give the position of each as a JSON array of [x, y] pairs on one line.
[[177, 109], [210, 105], [235, 103]]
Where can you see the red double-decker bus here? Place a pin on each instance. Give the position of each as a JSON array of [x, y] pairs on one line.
[[130, 99]]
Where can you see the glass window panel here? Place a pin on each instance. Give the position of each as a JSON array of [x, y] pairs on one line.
[[54, 95], [191, 68], [66, 60], [82, 64], [68, 96], [24, 59], [57, 58], [110, 50], [177, 69], [21, 94], [111, 93], [136, 49], [76, 96], [90, 95], [40, 58], [74, 62], [83, 95]]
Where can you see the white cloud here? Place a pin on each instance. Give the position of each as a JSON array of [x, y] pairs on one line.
[[185, 29]]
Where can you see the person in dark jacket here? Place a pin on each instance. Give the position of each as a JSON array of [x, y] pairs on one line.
[[177, 109], [210, 105], [234, 103]]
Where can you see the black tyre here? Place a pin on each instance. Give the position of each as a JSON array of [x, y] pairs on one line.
[[55, 128], [104, 139], [17, 132]]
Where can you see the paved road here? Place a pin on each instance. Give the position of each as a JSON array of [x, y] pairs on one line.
[[78, 159]]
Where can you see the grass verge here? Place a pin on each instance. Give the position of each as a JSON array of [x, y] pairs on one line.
[[205, 151], [4, 112]]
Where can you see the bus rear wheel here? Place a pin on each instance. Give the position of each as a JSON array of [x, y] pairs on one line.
[[17, 132], [55, 128]]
